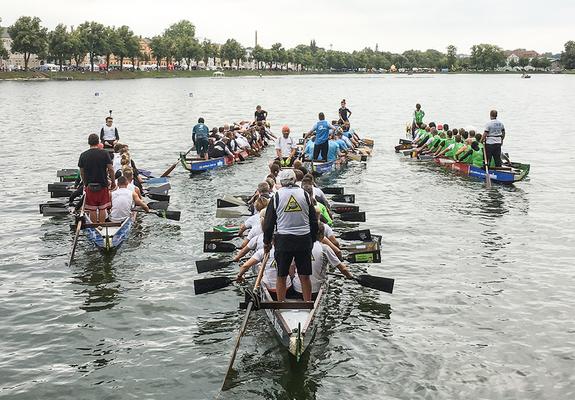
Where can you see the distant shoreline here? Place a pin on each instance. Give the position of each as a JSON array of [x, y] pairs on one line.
[[118, 75]]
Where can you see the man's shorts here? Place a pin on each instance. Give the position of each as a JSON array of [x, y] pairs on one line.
[[202, 146], [302, 261], [99, 200]]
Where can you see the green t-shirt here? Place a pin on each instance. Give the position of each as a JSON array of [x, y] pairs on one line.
[[324, 213], [455, 149], [418, 116]]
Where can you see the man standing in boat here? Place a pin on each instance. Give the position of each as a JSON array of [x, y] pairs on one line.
[[285, 148], [493, 136], [200, 133], [109, 133], [344, 112], [321, 130], [292, 223], [96, 169], [260, 115]]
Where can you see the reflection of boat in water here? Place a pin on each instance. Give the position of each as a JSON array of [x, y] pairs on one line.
[[526, 76]]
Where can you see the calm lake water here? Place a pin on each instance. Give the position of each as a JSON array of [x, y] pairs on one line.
[[483, 304]]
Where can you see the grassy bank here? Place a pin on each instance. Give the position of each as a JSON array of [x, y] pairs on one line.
[[92, 76]]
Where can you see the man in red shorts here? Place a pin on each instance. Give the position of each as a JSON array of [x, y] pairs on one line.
[[96, 171]]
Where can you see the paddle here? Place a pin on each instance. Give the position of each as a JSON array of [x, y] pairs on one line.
[[332, 190], [167, 214], [158, 205], [157, 196], [372, 282], [209, 236], [219, 247], [353, 216], [232, 213], [487, 177], [362, 234], [207, 285], [169, 170], [343, 198], [343, 208], [213, 264], [77, 233], [245, 321], [221, 203], [234, 200], [364, 257]]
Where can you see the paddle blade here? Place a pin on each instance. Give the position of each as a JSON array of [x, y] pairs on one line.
[[221, 203], [219, 247], [55, 211], [158, 205], [376, 282], [231, 212], [173, 215], [332, 190], [159, 197], [365, 257], [362, 234], [211, 265], [344, 208], [208, 236], [234, 200], [207, 285], [353, 216], [344, 198]]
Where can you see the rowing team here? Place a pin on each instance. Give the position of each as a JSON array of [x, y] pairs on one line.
[[228, 140], [327, 142], [99, 177], [457, 144], [287, 223]]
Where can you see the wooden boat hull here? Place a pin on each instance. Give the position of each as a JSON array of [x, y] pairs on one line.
[[197, 166], [296, 329], [108, 239]]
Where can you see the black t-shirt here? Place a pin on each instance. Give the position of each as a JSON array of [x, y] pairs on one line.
[[95, 164], [344, 113], [260, 115]]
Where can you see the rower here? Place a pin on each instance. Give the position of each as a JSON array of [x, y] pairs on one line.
[[253, 223], [109, 133], [322, 255], [123, 200], [333, 148], [200, 133], [285, 148], [344, 112], [453, 148], [292, 222], [309, 149], [321, 130], [95, 169], [129, 174], [221, 149], [319, 207]]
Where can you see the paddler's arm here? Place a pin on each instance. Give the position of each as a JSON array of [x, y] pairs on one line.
[[343, 269], [269, 224], [137, 201], [333, 247], [243, 269], [111, 176]]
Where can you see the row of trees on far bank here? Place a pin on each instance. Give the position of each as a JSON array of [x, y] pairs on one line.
[[179, 44]]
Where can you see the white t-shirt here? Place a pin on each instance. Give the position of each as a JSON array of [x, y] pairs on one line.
[[122, 202], [317, 192], [285, 145], [271, 272], [252, 221], [321, 255], [257, 242], [256, 230], [327, 231], [494, 129], [117, 162], [242, 141]]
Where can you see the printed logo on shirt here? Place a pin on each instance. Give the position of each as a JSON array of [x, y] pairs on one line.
[[292, 205]]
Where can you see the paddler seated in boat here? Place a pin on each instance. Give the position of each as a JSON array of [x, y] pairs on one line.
[[117, 157], [269, 278], [319, 207], [444, 143], [450, 150], [350, 133], [220, 149], [123, 200], [342, 144], [285, 148], [317, 192], [322, 256], [109, 133], [129, 174], [473, 156], [309, 149], [200, 133], [333, 148], [424, 145], [292, 222], [253, 222]]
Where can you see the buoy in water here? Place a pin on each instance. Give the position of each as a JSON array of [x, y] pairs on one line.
[[191, 94], [97, 94]]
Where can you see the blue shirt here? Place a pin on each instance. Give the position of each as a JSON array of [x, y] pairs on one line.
[[342, 144], [348, 133], [332, 150], [321, 129], [309, 150], [200, 131]]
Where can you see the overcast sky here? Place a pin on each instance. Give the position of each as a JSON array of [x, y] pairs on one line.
[[399, 25]]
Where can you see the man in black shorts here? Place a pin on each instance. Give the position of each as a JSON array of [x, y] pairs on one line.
[[292, 223], [260, 115]]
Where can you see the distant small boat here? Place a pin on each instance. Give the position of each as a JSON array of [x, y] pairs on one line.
[[525, 76], [218, 74]]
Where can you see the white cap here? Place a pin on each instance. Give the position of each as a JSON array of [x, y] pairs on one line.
[[286, 177]]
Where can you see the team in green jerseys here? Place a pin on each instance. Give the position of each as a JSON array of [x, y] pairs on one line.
[[456, 144]]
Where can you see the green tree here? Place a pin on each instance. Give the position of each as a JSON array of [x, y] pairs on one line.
[[487, 57], [59, 44], [112, 44], [232, 50], [3, 51], [451, 57], [28, 38], [540, 62], [209, 50], [258, 55], [513, 63], [160, 48], [523, 62], [128, 45], [92, 38], [181, 37], [568, 56], [77, 48]]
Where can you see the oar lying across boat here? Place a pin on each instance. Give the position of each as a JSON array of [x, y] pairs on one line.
[[363, 235], [242, 211]]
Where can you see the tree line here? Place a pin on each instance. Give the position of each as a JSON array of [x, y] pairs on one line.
[[179, 44]]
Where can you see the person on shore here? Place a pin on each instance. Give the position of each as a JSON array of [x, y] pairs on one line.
[[418, 115], [200, 133], [109, 133], [260, 115], [493, 137], [97, 173], [321, 130], [292, 223], [344, 112], [322, 256], [286, 148], [123, 200]]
